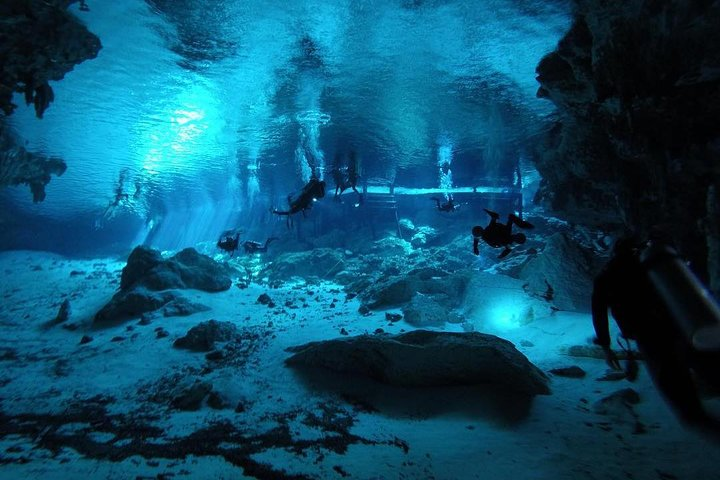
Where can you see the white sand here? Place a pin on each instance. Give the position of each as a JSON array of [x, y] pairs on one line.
[[449, 435]]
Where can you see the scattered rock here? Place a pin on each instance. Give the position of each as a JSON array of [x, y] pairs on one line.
[[85, 339], [216, 401], [202, 337], [191, 398], [620, 407], [64, 312], [569, 372], [612, 376], [393, 317], [182, 307], [215, 356], [264, 299]]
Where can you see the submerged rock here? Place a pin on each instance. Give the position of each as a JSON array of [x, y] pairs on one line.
[[63, 312], [147, 280], [187, 269], [424, 359], [202, 337], [426, 311], [561, 275], [570, 372]]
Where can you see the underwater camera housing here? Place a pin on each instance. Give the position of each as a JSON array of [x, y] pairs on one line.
[[693, 309]]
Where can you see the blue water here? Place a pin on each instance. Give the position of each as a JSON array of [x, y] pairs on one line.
[[202, 114]]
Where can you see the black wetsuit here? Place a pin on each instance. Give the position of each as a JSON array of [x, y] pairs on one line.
[[229, 244], [624, 287], [499, 234], [257, 247]]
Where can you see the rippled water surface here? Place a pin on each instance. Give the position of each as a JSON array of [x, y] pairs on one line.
[[212, 101]]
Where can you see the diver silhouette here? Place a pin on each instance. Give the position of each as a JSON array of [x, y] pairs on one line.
[[498, 234], [312, 191], [228, 243], [448, 206], [257, 247], [346, 177], [658, 302]]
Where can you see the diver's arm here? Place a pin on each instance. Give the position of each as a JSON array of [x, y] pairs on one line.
[[476, 241]]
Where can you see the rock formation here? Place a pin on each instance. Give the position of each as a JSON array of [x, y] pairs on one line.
[[20, 167], [426, 359], [637, 142], [148, 282], [40, 41]]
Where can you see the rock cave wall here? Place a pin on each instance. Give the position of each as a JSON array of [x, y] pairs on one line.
[[40, 41], [636, 145]]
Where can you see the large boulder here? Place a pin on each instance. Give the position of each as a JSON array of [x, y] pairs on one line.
[[148, 283], [561, 274], [187, 269], [427, 359]]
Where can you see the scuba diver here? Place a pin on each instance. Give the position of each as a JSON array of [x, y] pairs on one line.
[[448, 206], [339, 175], [657, 301], [312, 191], [257, 247], [228, 243], [498, 234], [354, 176], [346, 177]]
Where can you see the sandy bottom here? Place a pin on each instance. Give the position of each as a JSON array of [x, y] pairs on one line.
[[102, 409]]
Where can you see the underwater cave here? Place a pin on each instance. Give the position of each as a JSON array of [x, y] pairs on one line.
[[358, 238]]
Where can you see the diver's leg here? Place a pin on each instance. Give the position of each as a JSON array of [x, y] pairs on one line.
[[493, 215], [512, 218]]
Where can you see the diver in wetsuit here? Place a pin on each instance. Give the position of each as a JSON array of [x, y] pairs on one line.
[[228, 243], [339, 175], [257, 247], [312, 191], [659, 303], [353, 177], [499, 234], [448, 206]]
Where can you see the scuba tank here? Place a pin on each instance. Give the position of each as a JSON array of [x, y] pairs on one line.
[[693, 309]]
